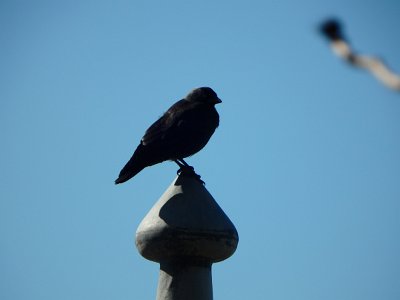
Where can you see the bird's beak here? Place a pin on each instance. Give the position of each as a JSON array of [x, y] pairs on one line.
[[218, 101]]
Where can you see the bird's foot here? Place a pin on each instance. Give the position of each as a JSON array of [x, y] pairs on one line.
[[189, 171]]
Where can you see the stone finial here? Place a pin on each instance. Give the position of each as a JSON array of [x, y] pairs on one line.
[[186, 231]]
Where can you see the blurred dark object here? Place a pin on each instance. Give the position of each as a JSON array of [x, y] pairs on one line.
[[332, 29]]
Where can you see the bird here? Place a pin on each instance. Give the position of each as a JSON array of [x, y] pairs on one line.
[[183, 130]]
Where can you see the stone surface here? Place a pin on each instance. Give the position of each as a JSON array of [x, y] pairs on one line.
[[186, 222], [180, 281], [186, 232]]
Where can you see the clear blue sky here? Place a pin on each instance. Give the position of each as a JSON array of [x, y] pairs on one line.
[[306, 161]]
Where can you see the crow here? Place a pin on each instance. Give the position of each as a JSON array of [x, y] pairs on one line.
[[183, 130]]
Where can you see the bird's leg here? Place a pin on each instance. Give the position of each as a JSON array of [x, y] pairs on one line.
[[184, 162], [186, 170], [183, 166], [179, 163]]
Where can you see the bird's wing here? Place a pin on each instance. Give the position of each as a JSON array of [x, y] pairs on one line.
[[163, 125]]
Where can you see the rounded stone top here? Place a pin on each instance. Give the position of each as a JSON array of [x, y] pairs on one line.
[[186, 222]]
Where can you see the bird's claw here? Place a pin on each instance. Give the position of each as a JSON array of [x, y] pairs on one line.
[[189, 171]]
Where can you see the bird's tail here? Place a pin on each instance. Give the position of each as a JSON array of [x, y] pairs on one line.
[[132, 167]]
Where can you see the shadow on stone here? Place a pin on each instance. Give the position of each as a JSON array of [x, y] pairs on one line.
[[186, 231]]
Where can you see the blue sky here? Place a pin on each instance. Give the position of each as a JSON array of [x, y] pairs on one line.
[[305, 161]]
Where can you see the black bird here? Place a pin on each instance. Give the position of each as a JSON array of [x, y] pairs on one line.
[[184, 129]]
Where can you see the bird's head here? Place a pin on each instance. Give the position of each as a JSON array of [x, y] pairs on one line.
[[203, 95]]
